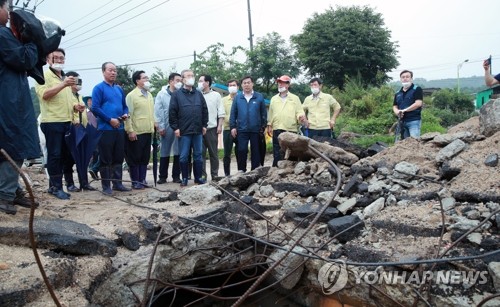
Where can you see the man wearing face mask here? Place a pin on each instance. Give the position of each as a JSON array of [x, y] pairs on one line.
[[169, 143], [216, 114], [227, 138], [188, 117], [139, 128], [68, 168], [285, 113], [57, 107], [408, 105], [321, 109]]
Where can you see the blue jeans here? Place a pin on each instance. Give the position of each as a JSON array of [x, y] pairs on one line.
[[186, 142], [412, 129], [8, 180]]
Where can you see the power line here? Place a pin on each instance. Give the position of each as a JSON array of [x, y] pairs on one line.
[[133, 17], [108, 21], [68, 26], [129, 34], [139, 63]]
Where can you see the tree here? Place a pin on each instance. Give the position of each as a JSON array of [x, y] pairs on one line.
[[222, 66], [344, 42], [452, 100], [159, 79], [124, 78], [271, 58]]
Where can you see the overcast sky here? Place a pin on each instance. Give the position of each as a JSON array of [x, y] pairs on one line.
[[433, 36]]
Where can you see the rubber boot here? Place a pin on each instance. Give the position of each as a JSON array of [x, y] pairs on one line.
[[227, 163], [184, 170], [117, 179], [143, 171], [163, 171], [105, 180], [176, 170], [197, 172], [134, 177]]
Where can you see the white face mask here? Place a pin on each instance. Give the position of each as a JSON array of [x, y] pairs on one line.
[[78, 87], [178, 85], [232, 89], [281, 89], [147, 85], [190, 82], [201, 86], [406, 84], [315, 90], [57, 66]]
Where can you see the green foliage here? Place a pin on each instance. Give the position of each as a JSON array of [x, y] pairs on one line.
[[430, 122], [448, 99], [270, 59], [345, 42], [159, 79], [448, 118], [219, 64], [367, 141], [124, 78]]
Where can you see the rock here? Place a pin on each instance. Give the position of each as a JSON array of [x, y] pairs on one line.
[[391, 200], [324, 197], [363, 188], [463, 224], [448, 203], [447, 172], [377, 187], [266, 190], [475, 238], [130, 241], [58, 234], [340, 224], [253, 189], [247, 199], [352, 185], [291, 204], [200, 195], [489, 117], [374, 207], [429, 136], [308, 210], [303, 189], [299, 168], [288, 266], [405, 170], [473, 215], [445, 139], [324, 178], [362, 169], [450, 151], [376, 148], [347, 205], [491, 160], [365, 201], [494, 269]]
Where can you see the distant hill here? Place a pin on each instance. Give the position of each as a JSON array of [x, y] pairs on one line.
[[467, 84]]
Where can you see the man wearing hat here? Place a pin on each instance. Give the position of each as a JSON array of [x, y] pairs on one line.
[[285, 113]]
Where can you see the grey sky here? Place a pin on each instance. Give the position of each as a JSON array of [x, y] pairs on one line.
[[433, 36]]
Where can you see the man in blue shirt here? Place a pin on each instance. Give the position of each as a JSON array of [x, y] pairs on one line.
[[110, 108]]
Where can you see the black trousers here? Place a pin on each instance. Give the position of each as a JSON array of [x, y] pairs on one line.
[[58, 154], [138, 152], [112, 147]]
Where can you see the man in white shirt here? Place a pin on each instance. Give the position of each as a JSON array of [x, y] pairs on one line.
[[216, 114]]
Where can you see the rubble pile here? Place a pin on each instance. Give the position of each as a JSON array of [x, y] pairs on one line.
[[389, 209]]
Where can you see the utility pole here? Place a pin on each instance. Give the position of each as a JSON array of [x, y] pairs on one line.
[[250, 38], [458, 74], [194, 55]]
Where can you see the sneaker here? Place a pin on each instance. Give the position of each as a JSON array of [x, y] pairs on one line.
[[137, 186], [177, 180], [7, 207], [22, 200], [72, 188], [184, 182], [161, 181], [93, 174], [59, 193], [200, 181], [107, 191]]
